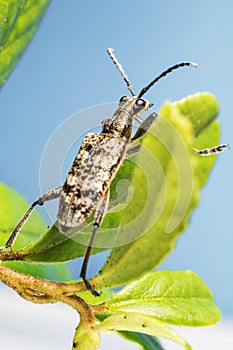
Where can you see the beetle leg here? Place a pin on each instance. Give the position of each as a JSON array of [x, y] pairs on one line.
[[141, 131], [132, 150], [46, 197], [144, 126], [99, 215]]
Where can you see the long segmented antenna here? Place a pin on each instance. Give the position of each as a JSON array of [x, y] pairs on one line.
[[169, 70], [121, 70]]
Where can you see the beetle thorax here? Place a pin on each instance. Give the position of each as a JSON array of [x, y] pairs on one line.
[[121, 123]]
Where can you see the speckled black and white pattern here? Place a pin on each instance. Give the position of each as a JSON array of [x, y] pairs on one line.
[[95, 166]]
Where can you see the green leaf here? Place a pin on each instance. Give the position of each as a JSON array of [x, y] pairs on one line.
[[137, 322], [54, 246], [18, 21], [150, 205], [174, 190], [176, 297], [207, 108], [86, 338], [12, 208], [9, 12], [145, 341]]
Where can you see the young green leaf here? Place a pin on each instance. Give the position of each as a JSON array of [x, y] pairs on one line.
[[54, 246], [18, 21], [145, 341], [137, 322], [176, 297], [207, 108], [9, 12]]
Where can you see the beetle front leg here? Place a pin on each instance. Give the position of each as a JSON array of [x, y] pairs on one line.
[[141, 131], [144, 126]]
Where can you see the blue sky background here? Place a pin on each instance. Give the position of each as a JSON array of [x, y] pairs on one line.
[[66, 68]]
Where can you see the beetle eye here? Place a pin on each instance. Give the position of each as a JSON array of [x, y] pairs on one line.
[[122, 99], [140, 102]]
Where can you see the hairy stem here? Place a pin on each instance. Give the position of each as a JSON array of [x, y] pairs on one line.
[[41, 291]]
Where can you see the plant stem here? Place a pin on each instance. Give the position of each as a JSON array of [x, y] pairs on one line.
[[41, 291]]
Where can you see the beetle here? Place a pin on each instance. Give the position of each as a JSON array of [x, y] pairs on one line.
[[86, 188]]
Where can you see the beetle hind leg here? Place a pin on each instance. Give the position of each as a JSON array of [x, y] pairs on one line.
[[99, 215]]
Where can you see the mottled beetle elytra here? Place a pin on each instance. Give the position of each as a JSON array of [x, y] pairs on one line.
[[86, 189]]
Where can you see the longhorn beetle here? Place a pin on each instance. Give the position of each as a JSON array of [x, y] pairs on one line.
[[100, 156]]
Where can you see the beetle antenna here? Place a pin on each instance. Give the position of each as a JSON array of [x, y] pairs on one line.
[[169, 70], [121, 70]]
